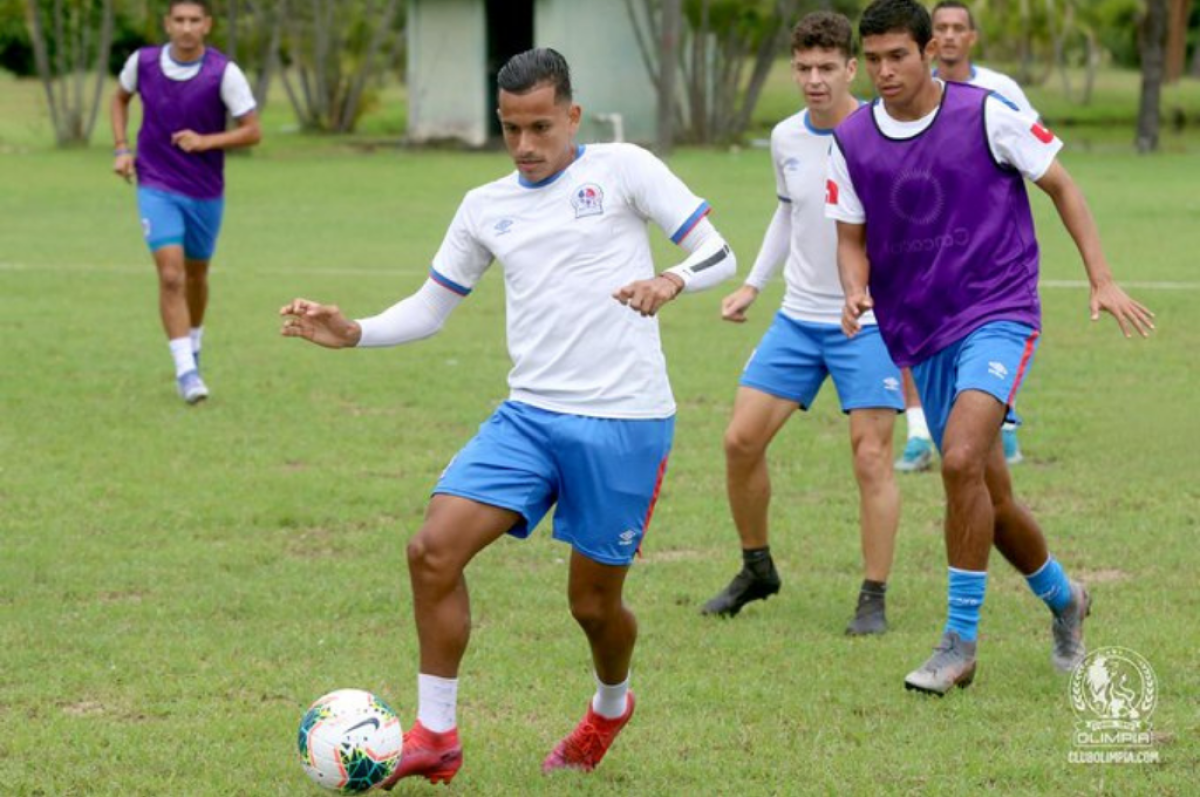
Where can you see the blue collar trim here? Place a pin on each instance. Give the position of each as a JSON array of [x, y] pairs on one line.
[[548, 180]]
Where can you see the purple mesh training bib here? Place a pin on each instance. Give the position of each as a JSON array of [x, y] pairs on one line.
[[950, 235], [174, 105]]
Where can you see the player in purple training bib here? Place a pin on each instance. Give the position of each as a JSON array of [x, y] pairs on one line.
[[188, 91], [927, 185]]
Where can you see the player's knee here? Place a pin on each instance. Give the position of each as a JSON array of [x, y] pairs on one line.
[[872, 460], [742, 446], [962, 463], [425, 560], [592, 610], [172, 280]]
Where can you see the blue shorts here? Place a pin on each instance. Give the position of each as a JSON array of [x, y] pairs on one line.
[[604, 475], [170, 219], [993, 359], [794, 357]]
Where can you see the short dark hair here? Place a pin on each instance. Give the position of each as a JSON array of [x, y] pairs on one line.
[[897, 16], [824, 29], [955, 4], [204, 4], [530, 69]]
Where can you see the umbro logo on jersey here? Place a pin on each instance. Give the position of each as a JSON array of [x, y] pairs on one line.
[[503, 226], [791, 164], [997, 369], [588, 200], [627, 536]]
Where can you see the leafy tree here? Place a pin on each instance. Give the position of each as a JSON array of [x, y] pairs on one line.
[[71, 41]]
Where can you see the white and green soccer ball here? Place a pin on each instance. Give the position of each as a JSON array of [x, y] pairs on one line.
[[350, 741]]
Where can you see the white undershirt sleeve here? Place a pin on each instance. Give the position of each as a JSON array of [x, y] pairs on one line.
[[419, 316], [710, 260], [776, 244]]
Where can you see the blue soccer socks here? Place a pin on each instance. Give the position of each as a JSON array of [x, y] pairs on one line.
[[967, 588], [1051, 585]]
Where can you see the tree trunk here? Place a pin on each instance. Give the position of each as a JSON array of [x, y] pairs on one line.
[[41, 57], [1154, 34], [672, 24], [1177, 30], [764, 59], [106, 37]]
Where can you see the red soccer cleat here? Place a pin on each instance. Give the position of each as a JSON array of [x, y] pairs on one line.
[[588, 743], [436, 757]]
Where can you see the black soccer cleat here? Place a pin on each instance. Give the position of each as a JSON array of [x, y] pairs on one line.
[[744, 588], [870, 616]]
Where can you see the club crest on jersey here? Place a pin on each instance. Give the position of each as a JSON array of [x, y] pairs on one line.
[[588, 200]]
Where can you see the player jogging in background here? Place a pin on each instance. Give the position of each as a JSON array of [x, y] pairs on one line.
[[805, 343], [188, 89], [935, 233], [590, 416], [955, 35]]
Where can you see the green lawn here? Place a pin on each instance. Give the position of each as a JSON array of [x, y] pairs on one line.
[[176, 585]]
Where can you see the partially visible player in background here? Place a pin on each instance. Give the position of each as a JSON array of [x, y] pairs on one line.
[[590, 417], [955, 35], [188, 91], [805, 343]]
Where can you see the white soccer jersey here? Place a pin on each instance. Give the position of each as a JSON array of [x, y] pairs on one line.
[[235, 89], [565, 245], [1016, 139], [800, 155], [1003, 85]]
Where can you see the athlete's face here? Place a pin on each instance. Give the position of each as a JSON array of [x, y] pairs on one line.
[[954, 35], [187, 24], [823, 75], [897, 67], [538, 131]]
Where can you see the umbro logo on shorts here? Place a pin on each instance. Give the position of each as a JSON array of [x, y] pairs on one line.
[[627, 536], [997, 369]]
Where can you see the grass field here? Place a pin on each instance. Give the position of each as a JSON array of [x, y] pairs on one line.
[[176, 584]]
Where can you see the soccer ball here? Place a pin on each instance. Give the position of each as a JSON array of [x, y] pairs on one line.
[[350, 741]]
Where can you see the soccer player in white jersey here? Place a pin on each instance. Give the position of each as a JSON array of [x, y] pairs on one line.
[[955, 35], [188, 91], [805, 344], [588, 424]]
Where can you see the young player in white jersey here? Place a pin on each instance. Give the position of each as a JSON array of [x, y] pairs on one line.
[[955, 35], [805, 344], [589, 421]]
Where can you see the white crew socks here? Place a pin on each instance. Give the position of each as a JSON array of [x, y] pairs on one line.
[[196, 335], [610, 701], [916, 423], [437, 702], [181, 352]]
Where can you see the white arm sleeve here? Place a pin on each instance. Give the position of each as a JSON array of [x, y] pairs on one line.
[[775, 246], [710, 261], [419, 316]]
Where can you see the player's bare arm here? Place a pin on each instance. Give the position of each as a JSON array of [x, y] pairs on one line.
[[1106, 295], [247, 133], [322, 324], [735, 305], [119, 117], [853, 271]]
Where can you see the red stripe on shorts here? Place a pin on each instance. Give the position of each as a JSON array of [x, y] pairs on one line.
[[1028, 353], [658, 480]]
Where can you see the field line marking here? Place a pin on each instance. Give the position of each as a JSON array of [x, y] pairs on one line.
[[148, 269]]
